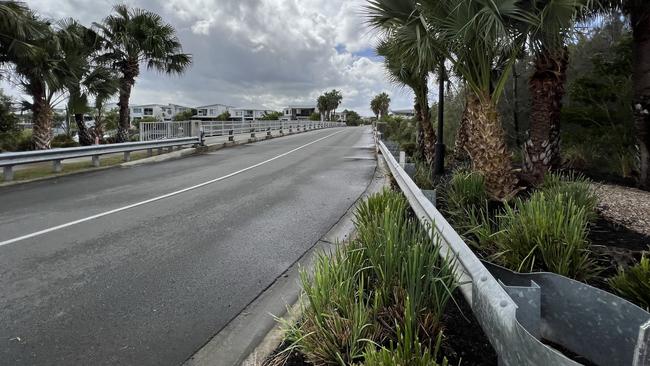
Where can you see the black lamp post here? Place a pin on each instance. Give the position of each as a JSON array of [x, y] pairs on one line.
[[439, 166]]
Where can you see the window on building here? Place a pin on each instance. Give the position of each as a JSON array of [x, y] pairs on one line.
[[148, 111], [137, 110]]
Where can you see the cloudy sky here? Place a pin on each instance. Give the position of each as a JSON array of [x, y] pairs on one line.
[[256, 52]]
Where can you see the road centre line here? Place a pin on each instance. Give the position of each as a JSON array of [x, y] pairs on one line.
[[171, 194]]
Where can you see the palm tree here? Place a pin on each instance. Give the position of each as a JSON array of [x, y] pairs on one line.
[[39, 64], [322, 105], [638, 12], [381, 104], [133, 37], [333, 99], [476, 38], [548, 31], [410, 57], [401, 72]]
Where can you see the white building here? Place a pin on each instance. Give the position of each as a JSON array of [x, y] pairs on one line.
[[403, 112], [211, 112], [298, 112], [248, 114], [159, 111]]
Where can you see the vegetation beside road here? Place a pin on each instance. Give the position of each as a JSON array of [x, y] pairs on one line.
[[380, 299]]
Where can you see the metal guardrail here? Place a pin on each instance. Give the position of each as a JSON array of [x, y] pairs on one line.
[[9, 160], [518, 311]]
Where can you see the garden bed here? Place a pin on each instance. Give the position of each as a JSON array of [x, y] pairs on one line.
[[386, 298]]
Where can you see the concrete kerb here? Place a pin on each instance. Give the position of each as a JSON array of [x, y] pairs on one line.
[[250, 337]]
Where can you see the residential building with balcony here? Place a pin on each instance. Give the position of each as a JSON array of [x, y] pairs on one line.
[[161, 112], [408, 113], [298, 112], [211, 112], [248, 114]]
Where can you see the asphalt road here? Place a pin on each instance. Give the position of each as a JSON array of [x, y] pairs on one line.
[[99, 269]]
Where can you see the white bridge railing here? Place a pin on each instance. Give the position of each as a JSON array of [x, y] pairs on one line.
[[150, 131]]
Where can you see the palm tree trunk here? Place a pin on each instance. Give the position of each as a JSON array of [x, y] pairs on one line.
[[99, 121], [419, 138], [85, 137], [640, 19], [542, 150], [125, 120], [488, 151], [427, 130], [461, 152], [42, 119]]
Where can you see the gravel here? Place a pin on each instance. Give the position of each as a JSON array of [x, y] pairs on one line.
[[626, 206]]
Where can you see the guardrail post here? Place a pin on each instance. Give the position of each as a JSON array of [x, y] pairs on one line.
[[95, 161], [290, 128], [56, 166], [268, 132], [8, 173], [281, 128], [402, 159], [160, 150], [127, 156], [170, 149], [231, 135], [149, 152]]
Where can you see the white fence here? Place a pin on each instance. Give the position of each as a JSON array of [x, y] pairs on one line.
[[150, 131]]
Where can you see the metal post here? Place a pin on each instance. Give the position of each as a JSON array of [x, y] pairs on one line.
[[96, 160], [8, 173], [402, 159], [127, 156], [268, 131], [439, 166], [231, 136], [149, 152], [160, 150], [56, 166]]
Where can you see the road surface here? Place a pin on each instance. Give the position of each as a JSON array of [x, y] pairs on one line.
[[143, 265]]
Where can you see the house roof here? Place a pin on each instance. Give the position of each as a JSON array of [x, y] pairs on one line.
[[214, 105], [403, 111], [303, 106]]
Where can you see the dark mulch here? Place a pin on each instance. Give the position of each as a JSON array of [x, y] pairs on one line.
[[282, 357], [464, 339], [614, 246]]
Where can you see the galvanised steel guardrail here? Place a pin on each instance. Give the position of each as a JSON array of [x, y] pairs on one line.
[[9, 160], [518, 311], [150, 131]]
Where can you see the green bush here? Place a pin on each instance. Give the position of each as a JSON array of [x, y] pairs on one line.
[[24, 142], [633, 284], [63, 140], [572, 186], [546, 233], [465, 204], [423, 175], [388, 287]]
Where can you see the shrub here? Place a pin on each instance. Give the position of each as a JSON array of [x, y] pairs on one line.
[[465, 204], [388, 287], [546, 233], [633, 284], [423, 175], [408, 350], [572, 186], [63, 140], [24, 142]]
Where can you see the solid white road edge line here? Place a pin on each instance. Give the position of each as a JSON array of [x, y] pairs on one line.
[[106, 213]]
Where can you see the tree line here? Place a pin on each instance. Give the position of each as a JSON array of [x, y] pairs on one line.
[[54, 60], [478, 43]]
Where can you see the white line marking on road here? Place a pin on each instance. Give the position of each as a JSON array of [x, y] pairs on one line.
[[89, 218]]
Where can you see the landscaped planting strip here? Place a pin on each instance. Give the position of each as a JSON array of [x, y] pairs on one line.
[[497, 313]]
